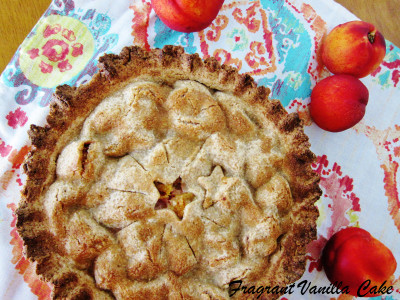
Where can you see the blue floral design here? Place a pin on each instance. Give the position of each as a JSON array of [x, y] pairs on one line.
[[166, 36], [294, 46]]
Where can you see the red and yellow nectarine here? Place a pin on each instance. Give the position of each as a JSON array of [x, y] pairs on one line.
[[356, 48], [338, 102], [354, 258], [187, 15]]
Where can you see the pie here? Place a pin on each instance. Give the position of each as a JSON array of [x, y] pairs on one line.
[[167, 177]]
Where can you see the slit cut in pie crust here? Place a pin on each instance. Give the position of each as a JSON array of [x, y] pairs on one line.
[[167, 177]]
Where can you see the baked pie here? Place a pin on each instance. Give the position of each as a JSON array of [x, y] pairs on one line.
[[167, 177]]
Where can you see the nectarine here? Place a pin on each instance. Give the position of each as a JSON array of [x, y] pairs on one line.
[[338, 102], [356, 48], [187, 15], [358, 261]]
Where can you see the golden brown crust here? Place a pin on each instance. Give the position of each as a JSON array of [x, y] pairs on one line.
[[71, 106]]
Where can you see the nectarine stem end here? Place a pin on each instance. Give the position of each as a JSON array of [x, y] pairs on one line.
[[371, 37]]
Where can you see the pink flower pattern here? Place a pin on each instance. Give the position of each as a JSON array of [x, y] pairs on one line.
[[4, 148], [17, 118], [54, 53]]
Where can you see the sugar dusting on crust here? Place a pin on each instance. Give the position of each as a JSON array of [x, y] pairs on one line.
[[68, 120]]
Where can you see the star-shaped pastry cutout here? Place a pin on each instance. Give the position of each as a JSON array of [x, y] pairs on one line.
[[211, 185]]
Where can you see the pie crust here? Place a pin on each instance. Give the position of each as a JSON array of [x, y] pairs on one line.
[[167, 177]]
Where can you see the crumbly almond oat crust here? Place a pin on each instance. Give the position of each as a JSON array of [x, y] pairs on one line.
[[167, 177]]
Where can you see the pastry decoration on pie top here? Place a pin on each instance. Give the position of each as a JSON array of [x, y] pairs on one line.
[[167, 176]]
